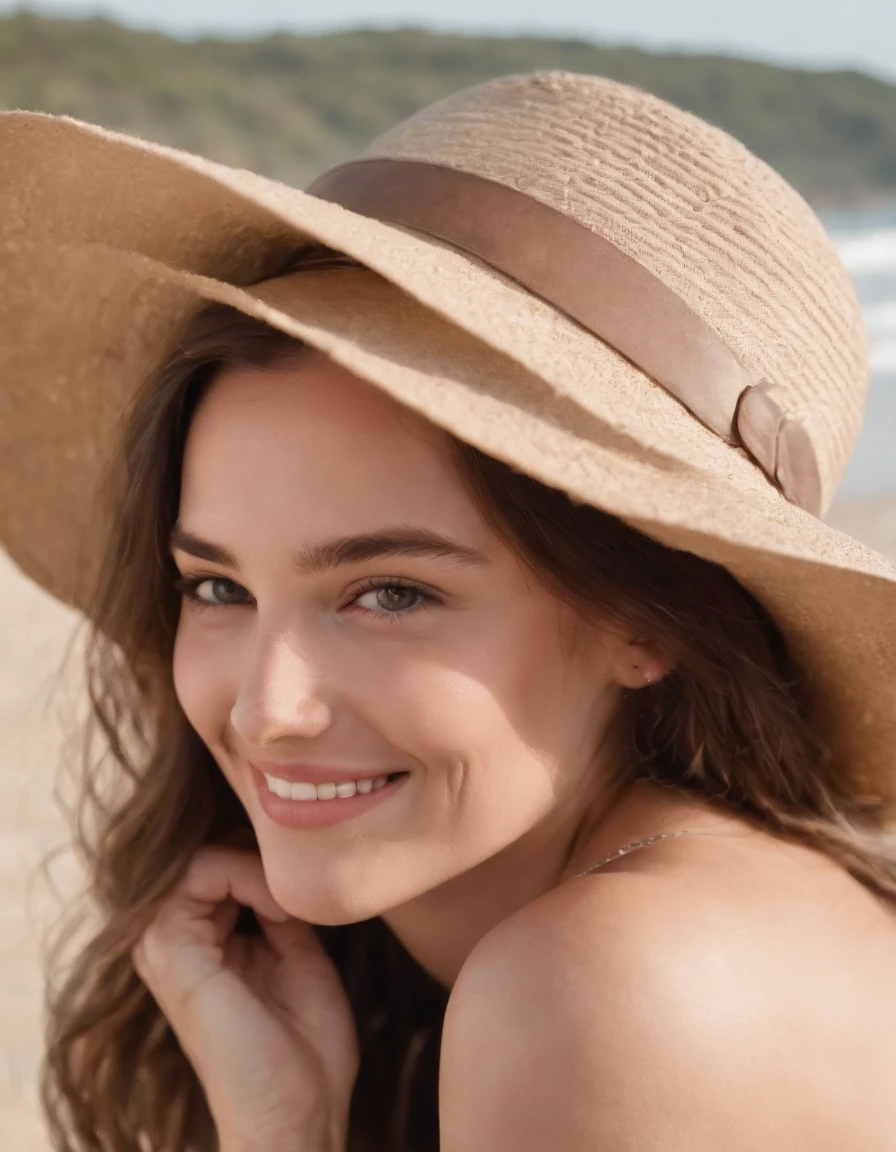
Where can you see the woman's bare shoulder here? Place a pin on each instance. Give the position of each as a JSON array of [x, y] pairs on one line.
[[612, 942], [644, 1006], [601, 1020]]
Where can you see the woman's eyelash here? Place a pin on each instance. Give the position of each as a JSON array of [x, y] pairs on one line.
[[187, 586]]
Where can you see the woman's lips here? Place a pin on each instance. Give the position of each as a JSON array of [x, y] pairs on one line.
[[320, 813]]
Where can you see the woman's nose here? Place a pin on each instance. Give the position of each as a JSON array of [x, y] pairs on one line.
[[279, 694]]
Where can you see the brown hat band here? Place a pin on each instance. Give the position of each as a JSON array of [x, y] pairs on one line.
[[595, 283]]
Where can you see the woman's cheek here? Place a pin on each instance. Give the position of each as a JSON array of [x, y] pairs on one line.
[[203, 671], [458, 727], [441, 705]]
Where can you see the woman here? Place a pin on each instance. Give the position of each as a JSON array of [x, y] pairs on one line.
[[501, 744]]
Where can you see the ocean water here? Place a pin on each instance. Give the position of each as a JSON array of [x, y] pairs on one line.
[[866, 241]]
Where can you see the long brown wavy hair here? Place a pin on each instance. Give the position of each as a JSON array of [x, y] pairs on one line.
[[731, 722]]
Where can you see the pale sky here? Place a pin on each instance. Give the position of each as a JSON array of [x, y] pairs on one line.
[[816, 33]]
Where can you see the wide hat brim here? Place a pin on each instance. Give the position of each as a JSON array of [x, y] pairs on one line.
[[108, 243]]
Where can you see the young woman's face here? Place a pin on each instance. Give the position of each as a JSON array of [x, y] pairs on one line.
[[311, 648]]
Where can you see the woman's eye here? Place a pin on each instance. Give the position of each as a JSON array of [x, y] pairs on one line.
[[212, 591], [392, 599]]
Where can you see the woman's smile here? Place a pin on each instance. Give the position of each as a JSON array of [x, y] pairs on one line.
[[317, 806]]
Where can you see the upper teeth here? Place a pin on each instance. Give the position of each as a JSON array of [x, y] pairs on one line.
[[306, 791]]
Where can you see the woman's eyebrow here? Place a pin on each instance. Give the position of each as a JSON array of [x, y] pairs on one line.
[[398, 541], [181, 540], [318, 558]]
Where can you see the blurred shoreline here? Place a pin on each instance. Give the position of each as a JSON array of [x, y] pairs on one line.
[[870, 519]]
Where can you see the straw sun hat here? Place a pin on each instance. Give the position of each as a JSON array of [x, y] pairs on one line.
[[574, 276]]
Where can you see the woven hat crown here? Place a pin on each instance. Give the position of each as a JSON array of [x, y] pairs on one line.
[[687, 201]]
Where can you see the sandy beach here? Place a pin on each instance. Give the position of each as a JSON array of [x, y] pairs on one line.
[[34, 633]]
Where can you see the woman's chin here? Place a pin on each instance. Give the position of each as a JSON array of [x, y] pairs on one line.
[[326, 895], [330, 910]]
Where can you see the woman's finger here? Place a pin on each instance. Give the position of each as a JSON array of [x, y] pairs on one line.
[[218, 873], [224, 919], [292, 938], [198, 918]]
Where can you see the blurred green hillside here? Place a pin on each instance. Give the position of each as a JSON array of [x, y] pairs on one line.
[[289, 106]]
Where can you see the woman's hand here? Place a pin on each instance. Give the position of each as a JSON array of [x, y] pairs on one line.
[[264, 1021]]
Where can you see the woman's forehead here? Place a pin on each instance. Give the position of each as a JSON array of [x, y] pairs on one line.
[[312, 436], [287, 404]]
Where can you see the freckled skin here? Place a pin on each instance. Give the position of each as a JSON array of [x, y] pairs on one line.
[[497, 700]]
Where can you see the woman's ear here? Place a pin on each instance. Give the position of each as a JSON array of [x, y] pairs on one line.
[[640, 663]]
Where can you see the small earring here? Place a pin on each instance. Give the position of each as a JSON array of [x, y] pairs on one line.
[[648, 676]]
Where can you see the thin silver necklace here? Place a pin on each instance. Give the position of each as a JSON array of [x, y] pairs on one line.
[[626, 848]]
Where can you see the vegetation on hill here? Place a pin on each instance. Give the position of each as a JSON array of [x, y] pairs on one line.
[[290, 105]]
